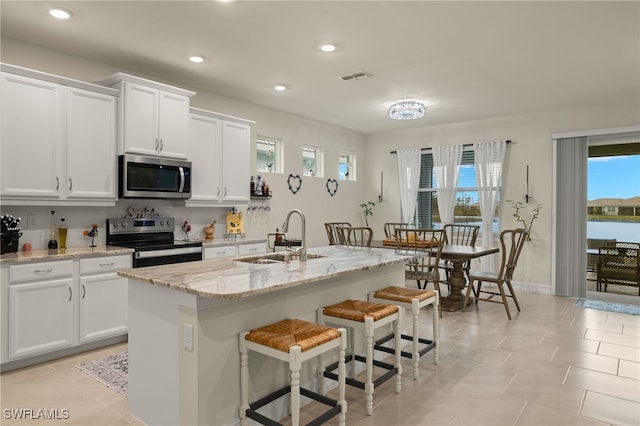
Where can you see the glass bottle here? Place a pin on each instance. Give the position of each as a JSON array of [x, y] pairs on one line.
[[53, 234], [62, 234]]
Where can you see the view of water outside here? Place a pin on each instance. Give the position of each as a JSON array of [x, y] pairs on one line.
[[612, 183]]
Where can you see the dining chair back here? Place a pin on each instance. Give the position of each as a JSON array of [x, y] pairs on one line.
[[390, 229], [511, 243], [464, 235], [330, 228], [427, 245], [355, 236]]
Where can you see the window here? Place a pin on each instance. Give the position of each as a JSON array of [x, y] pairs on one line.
[[268, 155], [467, 209], [346, 166], [311, 161]]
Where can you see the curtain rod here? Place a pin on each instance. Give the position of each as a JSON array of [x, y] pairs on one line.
[[508, 141]]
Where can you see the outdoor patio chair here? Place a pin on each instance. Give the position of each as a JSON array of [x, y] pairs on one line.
[[619, 264]]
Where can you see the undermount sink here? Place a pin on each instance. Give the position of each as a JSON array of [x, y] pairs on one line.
[[275, 258]]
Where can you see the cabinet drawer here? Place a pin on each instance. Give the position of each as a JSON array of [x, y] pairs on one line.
[[244, 249], [218, 252], [40, 270], [104, 264]]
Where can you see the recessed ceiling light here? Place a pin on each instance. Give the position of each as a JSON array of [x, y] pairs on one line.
[[60, 13], [328, 47], [280, 87], [196, 59]]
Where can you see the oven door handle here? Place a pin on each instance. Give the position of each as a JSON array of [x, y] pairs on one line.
[[181, 179], [167, 252]]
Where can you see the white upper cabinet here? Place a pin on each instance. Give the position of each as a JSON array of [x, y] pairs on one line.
[[219, 150], [154, 117], [58, 140]]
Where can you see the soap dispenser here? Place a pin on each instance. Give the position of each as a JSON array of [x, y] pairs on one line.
[[53, 232]]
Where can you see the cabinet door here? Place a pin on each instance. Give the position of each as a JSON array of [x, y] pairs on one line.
[[40, 317], [140, 112], [236, 140], [103, 306], [91, 145], [173, 125], [31, 145], [204, 152], [220, 252], [256, 248]]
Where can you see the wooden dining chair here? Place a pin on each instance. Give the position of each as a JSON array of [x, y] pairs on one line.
[[355, 236], [463, 235], [390, 229], [511, 242], [330, 228], [427, 244]]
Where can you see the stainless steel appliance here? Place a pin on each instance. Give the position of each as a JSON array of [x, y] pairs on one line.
[[153, 241], [152, 177]]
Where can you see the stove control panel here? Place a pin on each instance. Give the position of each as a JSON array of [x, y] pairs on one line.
[[140, 225]]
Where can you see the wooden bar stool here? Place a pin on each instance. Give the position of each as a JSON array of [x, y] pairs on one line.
[[366, 316], [413, 299], [293, 341]]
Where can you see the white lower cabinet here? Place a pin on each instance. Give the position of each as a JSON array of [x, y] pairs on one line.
[[220, 252], [103, 298], [40, 317], [55, 305], [246, 249]]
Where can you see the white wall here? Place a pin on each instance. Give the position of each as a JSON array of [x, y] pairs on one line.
[[531, 137], [313, 198]]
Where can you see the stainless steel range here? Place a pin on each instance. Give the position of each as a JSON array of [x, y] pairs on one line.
[[153, 241]]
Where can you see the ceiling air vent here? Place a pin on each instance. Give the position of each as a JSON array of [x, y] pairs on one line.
[[356, 76]]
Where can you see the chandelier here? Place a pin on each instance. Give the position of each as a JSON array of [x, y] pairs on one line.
[[406, 110]]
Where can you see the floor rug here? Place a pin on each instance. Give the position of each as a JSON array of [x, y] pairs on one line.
[[602, 305], [111, 371]]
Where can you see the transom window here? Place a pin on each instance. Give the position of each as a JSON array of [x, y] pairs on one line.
[[312, 161], [346, 166], [268, 155]]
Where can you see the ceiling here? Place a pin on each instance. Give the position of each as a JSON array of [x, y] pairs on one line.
[[465, 60]]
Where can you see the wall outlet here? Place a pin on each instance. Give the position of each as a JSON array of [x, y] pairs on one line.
[[188, 336], [31, 221]]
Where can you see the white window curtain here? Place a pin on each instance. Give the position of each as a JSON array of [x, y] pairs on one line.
[[408, 180], [488, 158], [446, 169]]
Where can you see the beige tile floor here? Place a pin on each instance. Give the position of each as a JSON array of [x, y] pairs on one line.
[[553, 364]]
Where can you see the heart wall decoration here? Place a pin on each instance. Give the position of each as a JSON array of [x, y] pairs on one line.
[[332, 186], [295, 183]]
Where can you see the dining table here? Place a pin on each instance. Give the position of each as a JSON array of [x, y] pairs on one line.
[[458, 255]]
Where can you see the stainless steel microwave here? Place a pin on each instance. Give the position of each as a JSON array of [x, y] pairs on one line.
[[152, 177]]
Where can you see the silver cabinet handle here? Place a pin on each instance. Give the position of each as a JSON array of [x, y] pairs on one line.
[[225, 191], [106, 265], [218, 193], [57, 183], [70, 293], [156, 144], [43, 271], [161, 145], [70, 184], [84, 291]]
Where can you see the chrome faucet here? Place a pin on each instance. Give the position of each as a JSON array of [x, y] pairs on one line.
[[302, 250]]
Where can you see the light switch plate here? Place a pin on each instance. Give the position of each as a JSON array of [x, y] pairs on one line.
[[188, 336]]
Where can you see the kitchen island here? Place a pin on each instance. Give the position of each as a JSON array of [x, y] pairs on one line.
[[184, 321]]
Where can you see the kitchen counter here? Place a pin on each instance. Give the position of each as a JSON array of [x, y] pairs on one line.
[[233, 279], [221, 241], [61, 254], [184, 322]]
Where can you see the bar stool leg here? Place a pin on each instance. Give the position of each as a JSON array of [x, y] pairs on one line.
[[397, 338], [436, 328], [295, 364], [368, 387], [415, 356], [244, 380], [342, 374]]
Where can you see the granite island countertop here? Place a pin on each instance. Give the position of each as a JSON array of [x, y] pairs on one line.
[[231, 278]]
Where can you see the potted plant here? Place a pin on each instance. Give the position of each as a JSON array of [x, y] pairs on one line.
[[367, 210], [524, 216]]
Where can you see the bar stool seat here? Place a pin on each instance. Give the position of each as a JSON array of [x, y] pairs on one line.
[[413, 299], [293, 341], [366, 316]]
